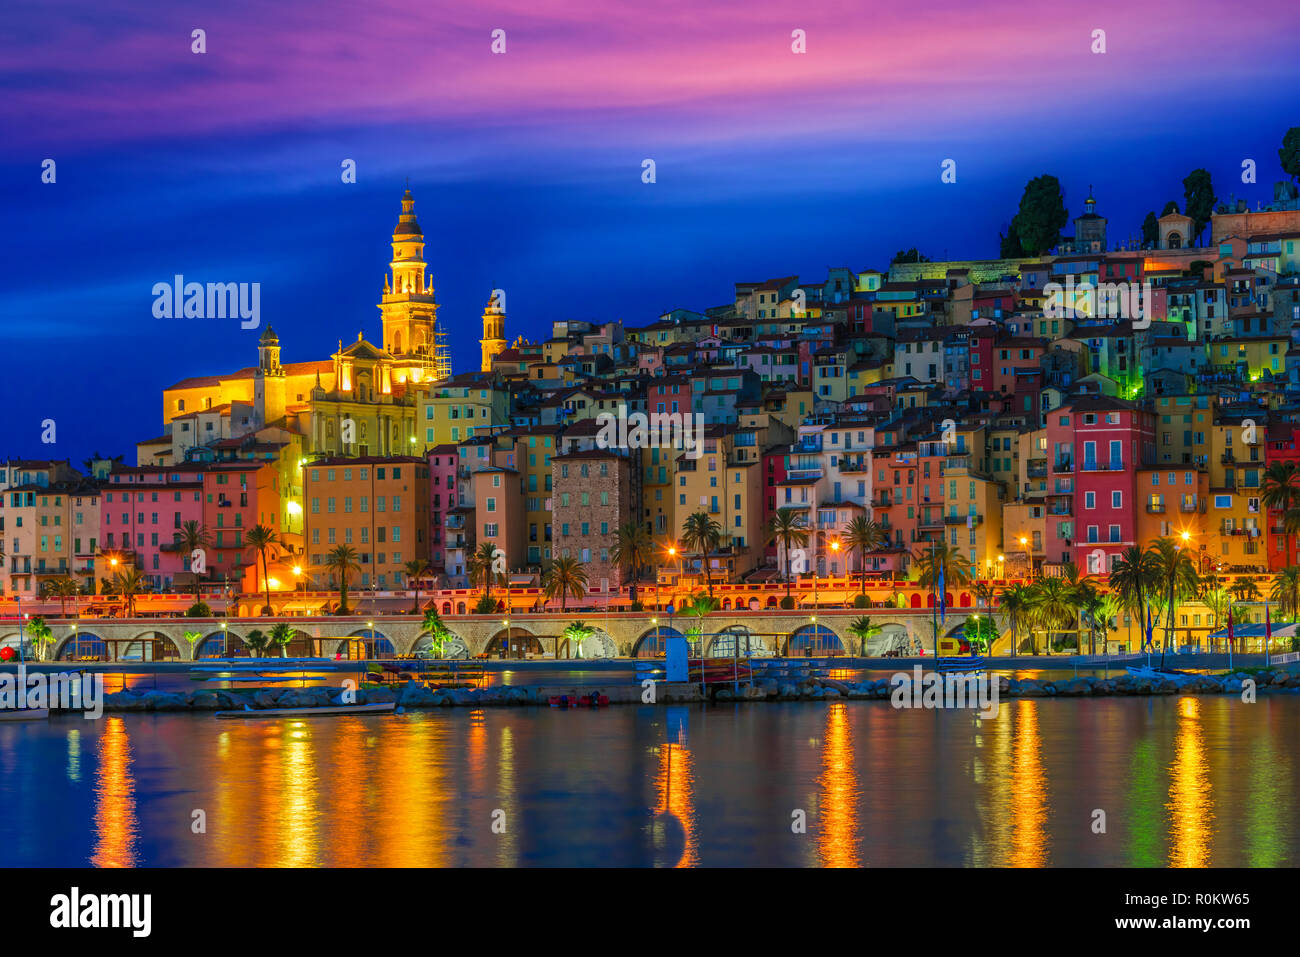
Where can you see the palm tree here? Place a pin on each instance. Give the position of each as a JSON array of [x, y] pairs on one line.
[[193, 637], [1053, 607], [632, 551], [565, 577], [1245, 589], [62, 588], [576, 633], [342, 559], [128, 583], [703, 534], [1286, 591], [255, 640], [39, 633], [261, 538], [863, 628], [1178, 579], [416, 569], [482, 568], [699, 606], [281, 635], [1281, 493], [1014, 605], [956, 569], [1134, 577], [439, 634], [192, 535], [864, 535], [787, 530]]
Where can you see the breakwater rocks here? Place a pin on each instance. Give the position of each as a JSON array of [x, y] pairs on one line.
[[416, 695]]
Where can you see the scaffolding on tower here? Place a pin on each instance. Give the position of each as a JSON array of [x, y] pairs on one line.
[[441, 354]]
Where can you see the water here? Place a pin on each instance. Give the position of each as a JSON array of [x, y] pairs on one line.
[[1182, 781]]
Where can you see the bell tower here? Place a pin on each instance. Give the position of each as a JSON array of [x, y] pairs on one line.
[[408, 308], [268, 381], [493, 342]]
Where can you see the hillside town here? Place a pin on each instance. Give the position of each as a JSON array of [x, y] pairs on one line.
[[1026, 417]]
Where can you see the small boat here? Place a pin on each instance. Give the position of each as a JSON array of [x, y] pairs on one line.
[[579, 701], [961, 665], [383, 708], [24, 714]]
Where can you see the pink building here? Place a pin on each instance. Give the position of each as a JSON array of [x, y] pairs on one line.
[[442, 499], [141, 511]]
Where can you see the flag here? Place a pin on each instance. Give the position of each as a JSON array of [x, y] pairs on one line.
[[1147, 642], [1268, 629], [1230, 636]]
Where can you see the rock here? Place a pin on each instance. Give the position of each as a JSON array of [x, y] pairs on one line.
[[1233, 685], [169, 701], [1074, 688], [266, 698], [517, 696], [380, 696], [206, 701], [1029, 688], [787, 691], [724, 694]]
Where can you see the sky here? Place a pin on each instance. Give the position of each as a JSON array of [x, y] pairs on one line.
[[526, 166]]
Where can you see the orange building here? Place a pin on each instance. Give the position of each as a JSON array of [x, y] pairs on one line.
[[377, 505]]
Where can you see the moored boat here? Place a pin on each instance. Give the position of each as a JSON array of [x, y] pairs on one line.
[[24, 714], [382, 708]]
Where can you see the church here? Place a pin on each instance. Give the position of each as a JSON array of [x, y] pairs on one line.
[[363, 400]]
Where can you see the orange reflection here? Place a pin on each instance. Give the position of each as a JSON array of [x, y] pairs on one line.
[[1028, 790], [837, 836], [115, 823], [1191, 808], [673, 788]]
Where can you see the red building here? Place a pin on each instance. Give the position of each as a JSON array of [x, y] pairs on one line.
[[1280, 446]]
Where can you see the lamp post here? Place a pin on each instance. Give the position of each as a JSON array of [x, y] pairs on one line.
[[1029, 558]]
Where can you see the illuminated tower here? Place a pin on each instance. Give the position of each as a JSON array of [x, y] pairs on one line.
[[268, 381], [494, 330], [409, 309]]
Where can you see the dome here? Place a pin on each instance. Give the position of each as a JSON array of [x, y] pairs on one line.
[[269, 336]]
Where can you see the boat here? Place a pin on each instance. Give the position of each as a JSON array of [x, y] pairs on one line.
[[964, 664], [579, 701], [382, 708], [1177, 677], [24, 714]]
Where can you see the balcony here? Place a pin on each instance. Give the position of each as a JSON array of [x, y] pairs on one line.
[[855, 465], [1112, 466], [973, 520], [1037, 471], [1192, 506], [1155, 508], [1063, 467]]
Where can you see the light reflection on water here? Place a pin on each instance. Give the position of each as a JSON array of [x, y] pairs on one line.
[[1184, 782]]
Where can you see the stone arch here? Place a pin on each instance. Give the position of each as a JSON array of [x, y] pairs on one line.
[[148, 646], [516, 642], [892, 637], [738, 639], [216, 644], [375, 642], [964, 600], [651, 643], [598, 644], [915, 600], [11, 641], [453, 647], [446, 608], [755, 604], [81, 645], [817, 639]]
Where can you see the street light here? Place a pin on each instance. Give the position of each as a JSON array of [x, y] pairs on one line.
[[1029, 559]]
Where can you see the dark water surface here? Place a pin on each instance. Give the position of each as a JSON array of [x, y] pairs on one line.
[[1194, 781]]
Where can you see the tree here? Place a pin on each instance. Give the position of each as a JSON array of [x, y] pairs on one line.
[[193, 638], [1178, 580], [703, 534], [128, 583], [1198, 193], [1245, 589], [1009, 244], [1150, 231], [261, 538], [255, 641], [343, 560], [909, 256], [438, 632], [416, 569], [864, 535], [1054, 608], [1170, 207], [1041, 217], [190, 536], [62, 588], [1013, 605], [1286, 592], [281, 635], [565, 577], [699, 606], [1282, 494], [787, 530], [956, 569], [1135, 575], [38, 632], [981, 631], [1289, 154], [863, 629], [482, 568], [575, 634], [631, 552]]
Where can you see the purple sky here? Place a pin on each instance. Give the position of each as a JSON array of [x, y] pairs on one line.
[[526, 166]]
